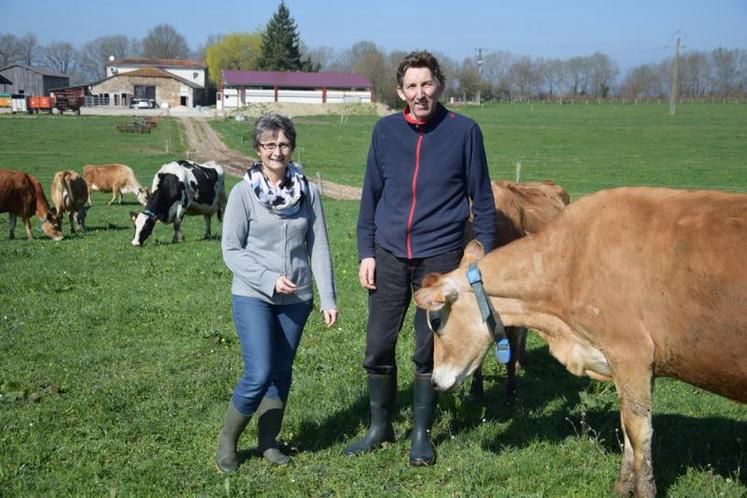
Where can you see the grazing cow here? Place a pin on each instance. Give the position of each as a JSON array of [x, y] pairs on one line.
[[179, 188], [70, 194], [521, 209], [115, 178], [624, 285], [22, 195]]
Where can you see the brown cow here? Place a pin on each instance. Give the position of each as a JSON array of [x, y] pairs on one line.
[[625, 285], [116, 178], [22, 195], [70, 194], [521, 209]]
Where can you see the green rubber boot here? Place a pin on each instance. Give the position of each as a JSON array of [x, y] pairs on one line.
[[234, 423], [382, 393], [425, 397], [269, 420]]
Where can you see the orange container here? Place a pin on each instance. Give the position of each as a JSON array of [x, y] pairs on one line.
[[40, 102]]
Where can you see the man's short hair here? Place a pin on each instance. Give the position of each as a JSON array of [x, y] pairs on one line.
[[421, 58]]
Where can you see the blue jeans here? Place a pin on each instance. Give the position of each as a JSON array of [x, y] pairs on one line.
[[269, 335]]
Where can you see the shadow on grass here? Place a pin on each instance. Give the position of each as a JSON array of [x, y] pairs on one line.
[[680, 442]]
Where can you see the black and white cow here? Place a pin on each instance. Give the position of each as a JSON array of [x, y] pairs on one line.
[[179, 188]]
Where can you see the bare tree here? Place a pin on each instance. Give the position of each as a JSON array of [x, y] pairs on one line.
[[95, 55], [603, 72], [164, 42], [553, 73], [694, 74], [525, 78], [9, 52], [323, 57], [643, 81], [60, 56], [725, 65], [578, 75], [28, 49]]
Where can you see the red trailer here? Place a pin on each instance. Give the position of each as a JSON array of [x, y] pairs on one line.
[[70, 98], [36, 104]]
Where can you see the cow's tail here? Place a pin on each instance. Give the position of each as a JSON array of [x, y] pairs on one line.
[[67, 193]]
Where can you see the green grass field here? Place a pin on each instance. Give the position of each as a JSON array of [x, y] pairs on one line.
[[582, 147], [116, 364]]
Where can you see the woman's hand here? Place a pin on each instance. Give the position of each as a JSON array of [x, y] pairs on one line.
[[284, 286], [330, 317]]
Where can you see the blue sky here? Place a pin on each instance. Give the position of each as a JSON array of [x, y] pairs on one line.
[[630, 31]]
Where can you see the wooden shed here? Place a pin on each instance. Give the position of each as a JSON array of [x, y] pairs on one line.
[[28, 80]]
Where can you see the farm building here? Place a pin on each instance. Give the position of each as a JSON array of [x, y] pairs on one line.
[[151, 83], [187, 70], [28, 80], [5, 84], [242, 88]]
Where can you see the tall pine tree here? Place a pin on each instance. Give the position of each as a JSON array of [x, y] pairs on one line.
[[280, 45]]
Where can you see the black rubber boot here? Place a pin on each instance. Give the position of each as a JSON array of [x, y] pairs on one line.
[[234, 423], [269, 420], [382, 392], [424, 405]]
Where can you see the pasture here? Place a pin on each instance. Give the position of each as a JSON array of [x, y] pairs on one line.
[[116, 364]]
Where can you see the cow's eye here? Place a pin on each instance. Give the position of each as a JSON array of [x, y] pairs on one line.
[[435, 320]]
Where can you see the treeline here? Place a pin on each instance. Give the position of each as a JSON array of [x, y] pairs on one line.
[[500, 76]]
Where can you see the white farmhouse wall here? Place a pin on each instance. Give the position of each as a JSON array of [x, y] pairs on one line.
[[234, 98], [185, 73]]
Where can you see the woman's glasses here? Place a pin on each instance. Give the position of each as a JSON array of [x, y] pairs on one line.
[[271, 146]]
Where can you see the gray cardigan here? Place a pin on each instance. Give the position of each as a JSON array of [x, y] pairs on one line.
[[259, 246]]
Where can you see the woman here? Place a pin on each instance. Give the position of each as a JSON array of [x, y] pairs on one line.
[[274, 235]]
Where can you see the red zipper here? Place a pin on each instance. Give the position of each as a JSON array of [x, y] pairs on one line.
[[414, 191]]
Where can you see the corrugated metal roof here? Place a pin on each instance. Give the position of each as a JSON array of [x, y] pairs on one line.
[[44, 71], [140, 61], [295, 79]]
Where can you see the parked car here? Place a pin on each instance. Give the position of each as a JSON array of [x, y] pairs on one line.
[[143, 104]]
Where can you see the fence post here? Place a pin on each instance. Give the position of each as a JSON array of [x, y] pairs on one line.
[[518, 171]]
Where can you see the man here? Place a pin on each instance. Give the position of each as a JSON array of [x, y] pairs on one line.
[[424, 167]]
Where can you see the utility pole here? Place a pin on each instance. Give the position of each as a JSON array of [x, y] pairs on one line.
[[478, 97], [674, 96]]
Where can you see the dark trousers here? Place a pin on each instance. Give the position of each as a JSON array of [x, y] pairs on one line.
[[396, 280]]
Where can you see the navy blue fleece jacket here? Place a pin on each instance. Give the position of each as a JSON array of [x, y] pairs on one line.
[[419, 181]]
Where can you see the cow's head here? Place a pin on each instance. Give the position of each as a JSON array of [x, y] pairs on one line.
[[52, 224], [143, 195], [143, 224], [460, 339]]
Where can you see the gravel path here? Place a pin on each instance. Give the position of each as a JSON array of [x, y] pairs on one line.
[[206, 145]]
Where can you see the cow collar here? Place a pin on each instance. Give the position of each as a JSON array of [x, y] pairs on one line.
[[150, 214], [487, 313]]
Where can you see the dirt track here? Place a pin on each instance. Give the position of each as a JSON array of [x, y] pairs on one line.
[[206, 145]]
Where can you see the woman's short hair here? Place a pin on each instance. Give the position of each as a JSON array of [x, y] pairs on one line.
[[421, 58], [273, 123]]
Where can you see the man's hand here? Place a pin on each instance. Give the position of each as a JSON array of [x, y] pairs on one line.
[[367, 273]]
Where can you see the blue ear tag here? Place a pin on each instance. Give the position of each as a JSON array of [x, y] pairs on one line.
[[502, 351]]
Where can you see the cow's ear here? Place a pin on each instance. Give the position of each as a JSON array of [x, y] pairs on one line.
[[436, 291], [133, 216], [473, 252]]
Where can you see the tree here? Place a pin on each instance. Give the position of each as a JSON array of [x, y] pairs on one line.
[[164, 42], [95, 55], [60, 56], [233, 51], [28, 49], [280, 43], [10, 51]]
